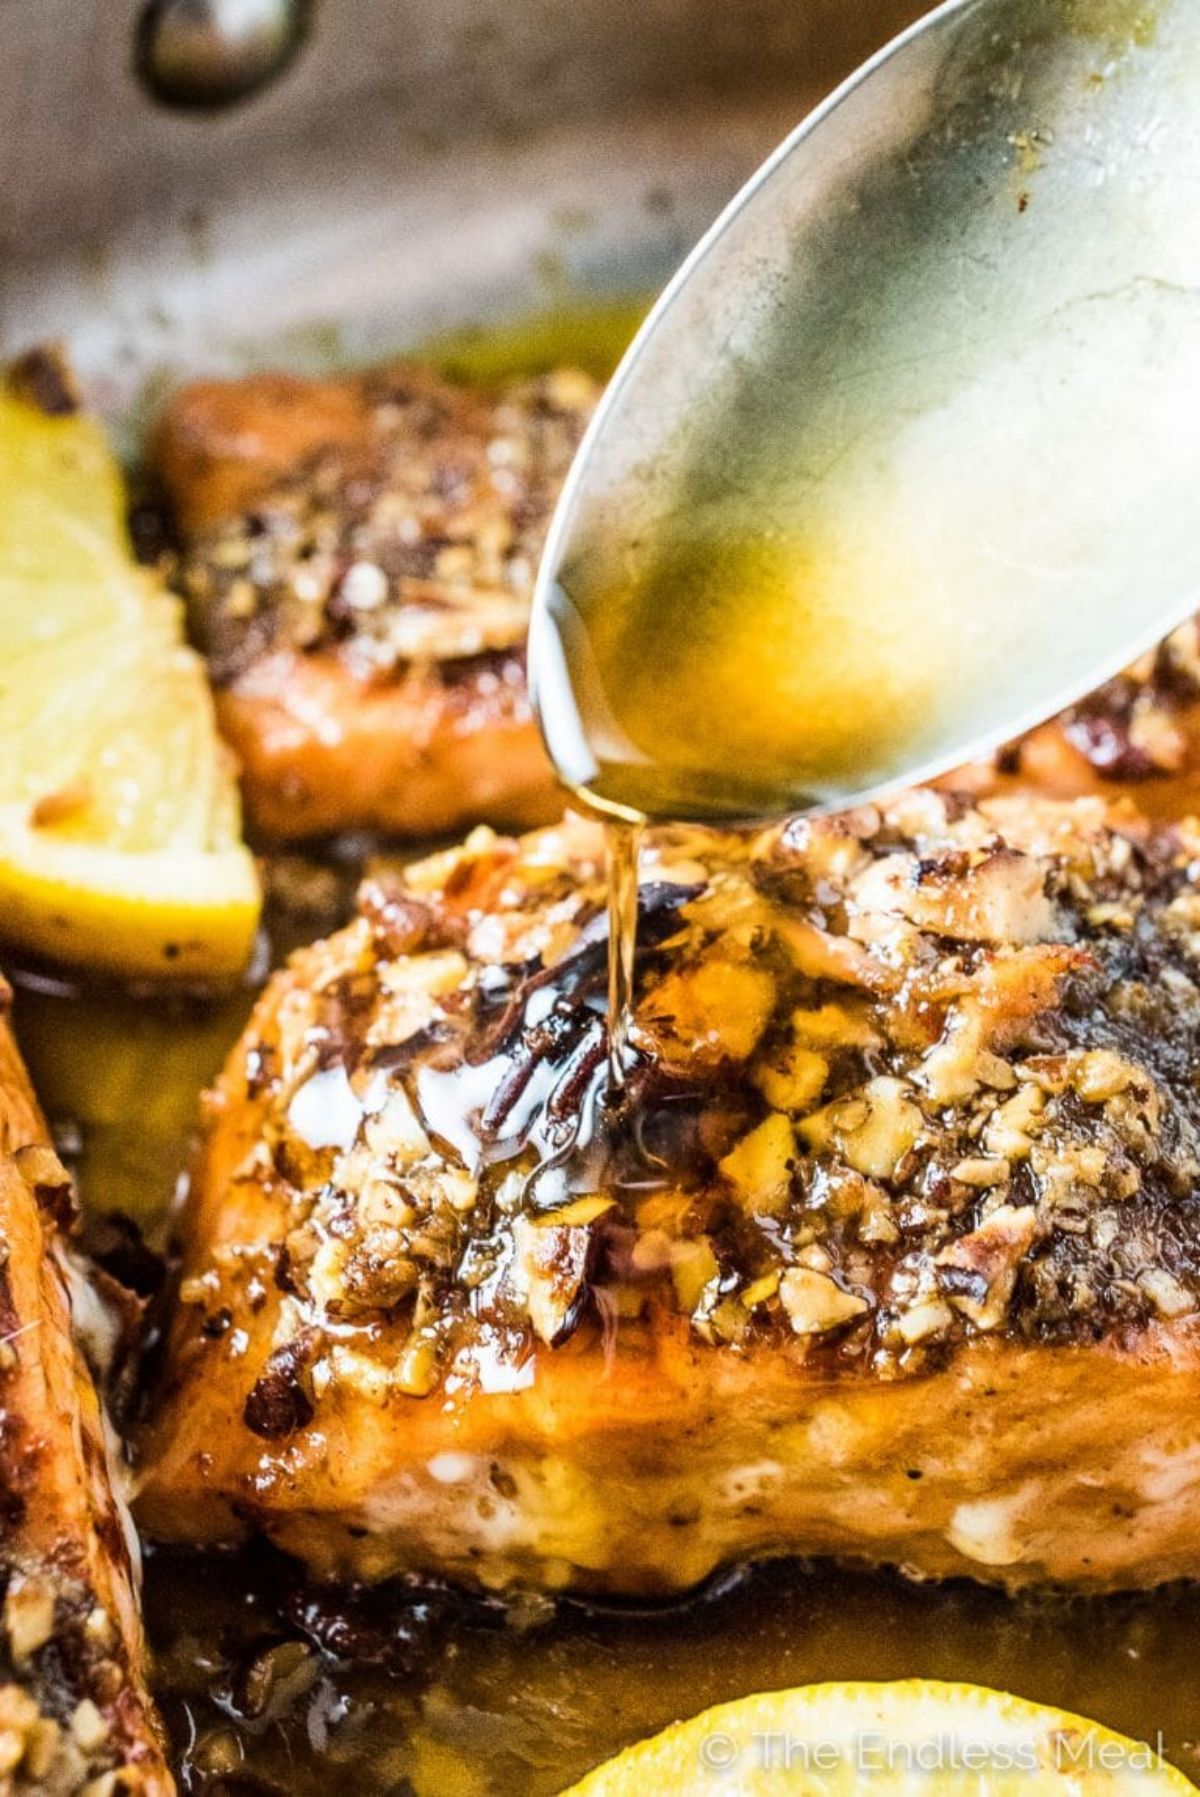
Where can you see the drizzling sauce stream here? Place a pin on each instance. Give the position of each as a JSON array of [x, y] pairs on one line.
[[623, 840], [719, 678]]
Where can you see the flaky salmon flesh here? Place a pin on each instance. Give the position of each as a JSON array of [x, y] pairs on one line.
[[890, 1253], [358, 557], [75, 1716]]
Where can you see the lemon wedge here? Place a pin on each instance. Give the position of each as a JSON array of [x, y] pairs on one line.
[[917, 1738], [120, 828]]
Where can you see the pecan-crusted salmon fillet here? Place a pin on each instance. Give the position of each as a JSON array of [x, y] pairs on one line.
[[358, 558], [75, 1716], [892, 1252], [1137, 735]]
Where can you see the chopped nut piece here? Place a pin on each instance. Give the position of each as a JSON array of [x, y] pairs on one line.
[[981, 1171], [1154, 734], [109, 1784], [88, 1726], [977, 1272], [12, 1750], [1100, 1074], [1011, 1126], [923, 1321], [1111, 916], [760, 1167], [726, 1321], [42, 1747], [363, 586], [99, 1626], [999, 897], [418, 1371], [820, 955], [582, 1210], [815, 1303], [715, 1010], [694, 1270], [1066, 1167], [761, 1289], [1170, 1298], [872, 1132], [875, 1220], [369, 1378], [549, 1269], [28, 1615], [834, 1026], [793, 1078], [18, 1710]]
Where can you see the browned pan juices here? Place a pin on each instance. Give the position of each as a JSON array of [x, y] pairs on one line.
[[484, 1708], [271, 1687]]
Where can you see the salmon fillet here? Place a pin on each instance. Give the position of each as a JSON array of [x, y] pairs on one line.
[[892, 1252], [75, 1715], [1138, 735], [358, 559]]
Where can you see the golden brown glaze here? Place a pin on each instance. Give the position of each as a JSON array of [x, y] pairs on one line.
[[75, 1715], [895, 1255], [358, 559]]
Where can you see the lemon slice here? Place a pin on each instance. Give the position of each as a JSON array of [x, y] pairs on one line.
[[40, 615], [917, 1738], [120, 828], [58, 470]]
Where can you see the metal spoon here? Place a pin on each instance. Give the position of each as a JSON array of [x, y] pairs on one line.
[[942, 352]]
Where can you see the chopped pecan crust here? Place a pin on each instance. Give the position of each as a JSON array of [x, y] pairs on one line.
[[416, 546], [898, 1078]]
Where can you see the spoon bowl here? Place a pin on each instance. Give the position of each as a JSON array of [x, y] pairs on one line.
[[907, 456]]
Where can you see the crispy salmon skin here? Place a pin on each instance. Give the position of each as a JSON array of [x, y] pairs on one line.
[[892, 1252], [358, 558], [75, 1715]]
